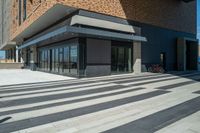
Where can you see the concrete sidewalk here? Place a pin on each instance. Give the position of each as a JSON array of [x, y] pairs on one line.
[[19, 76]]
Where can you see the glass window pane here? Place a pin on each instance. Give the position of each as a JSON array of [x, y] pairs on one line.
[[46, 60], [128, 59], [114, 59], [52, 62], [73, 59], [66, 60], [56, 60], [42, 60], [61, 60], [120, 59]]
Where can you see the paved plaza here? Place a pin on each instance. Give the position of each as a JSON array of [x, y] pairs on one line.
[[36, 102]]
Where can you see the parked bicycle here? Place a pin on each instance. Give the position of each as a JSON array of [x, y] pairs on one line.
[[156, 68]]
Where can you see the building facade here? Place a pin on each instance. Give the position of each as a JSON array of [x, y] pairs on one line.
[[5, 30], [94, 38]]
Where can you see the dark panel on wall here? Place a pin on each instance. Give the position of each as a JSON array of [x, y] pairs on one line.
[[98, 57], [98, 51], [160, 40]]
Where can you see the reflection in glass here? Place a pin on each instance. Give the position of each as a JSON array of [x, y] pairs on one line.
[[121, 59], [66, 60], [128, 59], [114, 59], [52, 60], [40, 59], [56, 60], [73, 59], [62, 60], [43, 60], [60, 66]]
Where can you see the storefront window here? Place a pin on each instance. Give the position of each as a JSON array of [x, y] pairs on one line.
[[73, 59], [61, 59], [60, 66], [52, 60], [42, 60], [56, 60], [66, 60]]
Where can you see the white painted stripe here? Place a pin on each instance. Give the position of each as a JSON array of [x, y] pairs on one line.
[[132, 83], [136, 110], [113, 77], [52, 89], [27, 96], [127, 119], [190, 89], [143, 78], [59, 92], [80, 80], [171, 82], [39, 85], [69, 99], [189, 124], [57, 109]]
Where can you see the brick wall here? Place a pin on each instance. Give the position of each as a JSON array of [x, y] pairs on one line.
[[171, 14]]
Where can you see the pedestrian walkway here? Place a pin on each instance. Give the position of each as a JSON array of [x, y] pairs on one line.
[[128, 103]]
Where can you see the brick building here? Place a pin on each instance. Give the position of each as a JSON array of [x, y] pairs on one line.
[[101, 37]]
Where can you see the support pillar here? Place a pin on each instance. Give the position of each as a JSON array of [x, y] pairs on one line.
[[17, 55], [137, 62], [24, 60]]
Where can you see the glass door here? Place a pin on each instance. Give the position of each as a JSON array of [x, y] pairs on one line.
[[128, 59], [121, 59]]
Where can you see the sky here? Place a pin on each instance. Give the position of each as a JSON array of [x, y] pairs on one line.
[[2, 53]]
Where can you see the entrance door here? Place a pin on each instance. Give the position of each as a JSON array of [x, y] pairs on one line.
[[191, 55], [163, 60], [121, 60]]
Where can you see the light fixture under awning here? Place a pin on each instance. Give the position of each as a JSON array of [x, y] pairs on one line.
[[86, 32]]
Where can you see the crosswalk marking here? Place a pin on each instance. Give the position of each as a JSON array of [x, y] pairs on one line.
[[132, 108], [72, 106], [93, 104]]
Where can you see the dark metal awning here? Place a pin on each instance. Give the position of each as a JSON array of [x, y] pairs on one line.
[[87, 32]]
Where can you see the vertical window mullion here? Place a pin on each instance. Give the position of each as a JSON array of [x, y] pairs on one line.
[[24, 10], [19, 12]]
